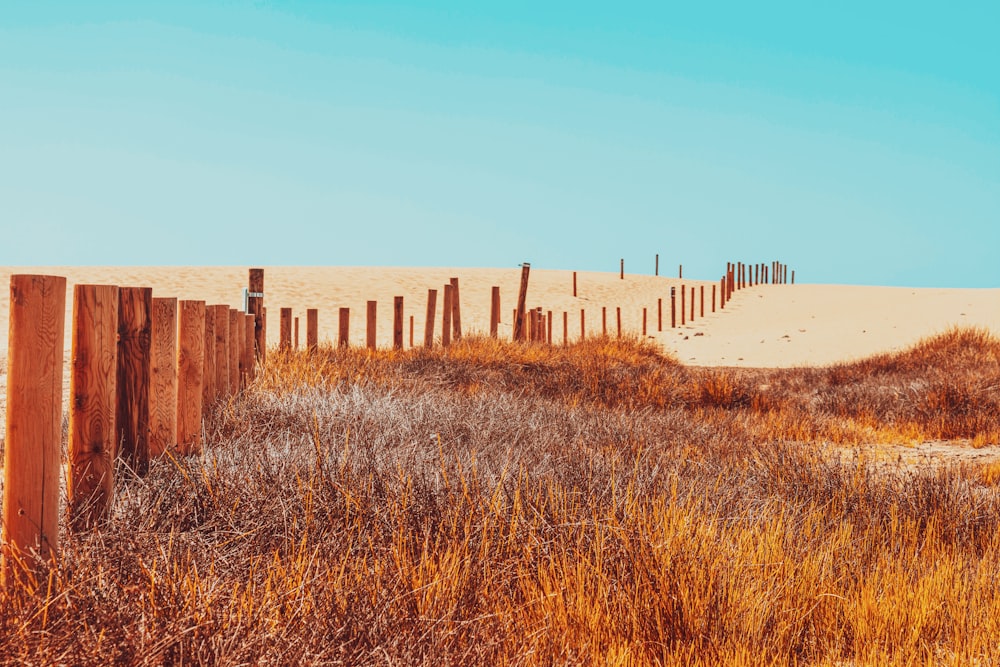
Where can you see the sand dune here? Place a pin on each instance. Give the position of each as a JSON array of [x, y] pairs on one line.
[[763, 326]]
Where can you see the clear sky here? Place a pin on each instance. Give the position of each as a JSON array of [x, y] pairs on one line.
[[857, 141]]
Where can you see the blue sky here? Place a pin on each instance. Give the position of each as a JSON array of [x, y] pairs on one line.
[[858, 142]]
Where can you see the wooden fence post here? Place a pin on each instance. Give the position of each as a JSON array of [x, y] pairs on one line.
[[692, 303], [659, 314], [604, 320], [548, 323], [656, 269], [34, 426], [370, 329], [702, 314], [429, 319], [446, 317], [344, 332], [618, 313], [312, 329], [191, 373], [221, 350], [644, 322], [235, 338], [565, 328], [135, 306], [209, 392], [456, 311], [683, 305], [296, 336], [247, 370], [583, 324], [621, 275], [285, 340], [494, 310], [722, 293], [163, 377], [574, 283], [90, 479], [673, 307], [793, 276], [411, 332], [255, 306], [680, 271], [397, 322], [713, 297], [522, 295]]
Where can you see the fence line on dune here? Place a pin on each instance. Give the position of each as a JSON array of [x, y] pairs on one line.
[[146, 372]]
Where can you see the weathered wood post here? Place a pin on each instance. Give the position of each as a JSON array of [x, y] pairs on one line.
[[191, 373], [255, 306], [683, 306], [446, 317], [411, 332], [494, 310], [33, 438], [209, 392], [247, 370], [692, 303], [644, 322], [680, 271], [456, 311], [656, 268], [221, 350], [90, 480], [565, 328], [397, 322], [548, 323], [370, 329], [618, 313], [429, 318], [673, 307], [713, 296], [285, 340], [135, 305], [659, 314], [235, 350], [702, 308], [296, 336], [604, 320], [344, 329], [522, 296], [163, 377], [722, 293], [793, 276], [574, 283], [621, 274], [312, 329]]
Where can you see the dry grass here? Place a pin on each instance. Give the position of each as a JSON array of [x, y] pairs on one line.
[[503, 504]]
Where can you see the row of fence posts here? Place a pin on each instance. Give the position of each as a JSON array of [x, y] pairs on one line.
[[145, 372]]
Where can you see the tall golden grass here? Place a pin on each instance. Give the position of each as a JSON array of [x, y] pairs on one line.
[[510, 504]]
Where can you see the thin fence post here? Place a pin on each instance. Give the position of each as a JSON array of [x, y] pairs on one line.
[[604, 320], [446, 316], [494, 310], [132, 384], [522, 296], [371, 324], [221, 350], [659, 314], [296, 337], [191, 373], [285, 340], [680, 271], [621, 274], [344, 327], [163, 377], [583, 324], [565, 328], [574, 283], [255, 306], [692, 303], [793, 276], [33, 442], [548, 324], [673, 307], [312, 328], [208, 393], [644, 322], [429, 318], [713, 296], [456, 311], [90, 478], [683, 305], [656, 268], [618, 317], [397, 322], [702, 314], [411, 332]]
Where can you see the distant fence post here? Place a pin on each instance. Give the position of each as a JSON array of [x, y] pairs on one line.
[[135, 305], [574, 283], [255, 306], [494, 310], [522, 295], [583, 324], [692, 303], [683, 305], [34, 426], [621, 274], [429, 319], [411, 332], [191, 373], [397, 322], [312, 329], [644, 322], [446, 316], [163, 377], [673, 307], [702, 314], [90, 478], [548, 322], [285, 339], [713, 296], [680, 271], [371, 324], [656, 267], [604, 320], [618, 317], [344, 330], [456, 311], [659, 314], [722, 293], [793, 276]]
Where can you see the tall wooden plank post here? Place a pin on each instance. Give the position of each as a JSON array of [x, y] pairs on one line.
[[446, 317], [247, 358], [163, 377], [235, 349], [673, 307], [312, 329], [191, 374], [34, 428], [397, 323], [522, 296], [429, 318], [285, 339], [255, 307], [456, 311], [494, 311], [135, 307], [344, 327], [370, 330], [221, 350], [208, 394], [94, 356]]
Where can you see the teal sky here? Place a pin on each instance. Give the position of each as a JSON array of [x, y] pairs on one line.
[[857, 141]]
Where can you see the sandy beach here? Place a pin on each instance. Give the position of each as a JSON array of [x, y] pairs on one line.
[[762, 326]]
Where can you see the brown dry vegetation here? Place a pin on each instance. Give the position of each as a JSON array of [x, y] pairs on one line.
[[519, 504]]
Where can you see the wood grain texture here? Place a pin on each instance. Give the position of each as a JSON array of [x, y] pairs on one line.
[[93, 377], [163, 377], [235, 349], [456, 310], [312, 328], [208, 393], [429, 318], [522, 297], [285, 340], [255, 306], [397, 323], [34, 425], [371, 325], [221, 350], [190, 375], [135, 326], [344, 328], [494, 310]]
